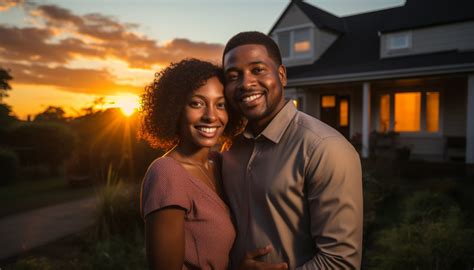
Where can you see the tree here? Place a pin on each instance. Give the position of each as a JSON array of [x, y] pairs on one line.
[[52, 113], [43, 143], [4, 86]]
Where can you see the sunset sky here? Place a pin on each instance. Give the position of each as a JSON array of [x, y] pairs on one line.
[[70, 52]]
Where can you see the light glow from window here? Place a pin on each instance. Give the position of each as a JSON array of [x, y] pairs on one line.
[[407, 112], [432, 111], [302, 46], [344, 113], [328, 101]]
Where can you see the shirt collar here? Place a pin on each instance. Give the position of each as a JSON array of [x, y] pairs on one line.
[[275, 129]]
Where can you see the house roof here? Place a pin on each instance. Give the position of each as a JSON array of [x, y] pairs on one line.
[[357, 50], [422, 13], [320, 18]]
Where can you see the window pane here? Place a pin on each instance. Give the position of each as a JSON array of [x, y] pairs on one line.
[[343, 113], [284, 43], [399, 41], [328, 101], [301, 41], [384, 117], [407, 112], [432, 111]]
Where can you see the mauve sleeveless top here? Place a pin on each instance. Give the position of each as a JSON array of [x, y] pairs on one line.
[[209, 232]]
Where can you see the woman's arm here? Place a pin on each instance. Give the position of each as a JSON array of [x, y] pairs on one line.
[[164, 238]]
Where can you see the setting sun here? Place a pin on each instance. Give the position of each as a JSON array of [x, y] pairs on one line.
[[127, 103]]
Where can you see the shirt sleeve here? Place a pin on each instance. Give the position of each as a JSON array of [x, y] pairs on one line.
[[334, 186], [164, 185]]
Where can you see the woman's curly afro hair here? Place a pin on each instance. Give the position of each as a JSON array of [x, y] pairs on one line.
[[164, 100]]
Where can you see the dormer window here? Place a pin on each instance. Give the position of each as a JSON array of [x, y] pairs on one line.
[[295, 43], [399, 41]]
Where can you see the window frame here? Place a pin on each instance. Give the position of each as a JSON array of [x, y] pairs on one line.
[[294, 93], [391, 37], [423, 129], [292, 30]]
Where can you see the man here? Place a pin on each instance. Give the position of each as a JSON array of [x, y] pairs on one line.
[[292, 181]]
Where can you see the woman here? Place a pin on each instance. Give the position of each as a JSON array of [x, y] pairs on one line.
[[187, 223]]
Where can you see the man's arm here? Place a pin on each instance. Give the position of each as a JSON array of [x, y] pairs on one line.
[[334, 193]]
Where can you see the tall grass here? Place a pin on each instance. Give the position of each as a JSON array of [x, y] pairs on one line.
[[117, 209]]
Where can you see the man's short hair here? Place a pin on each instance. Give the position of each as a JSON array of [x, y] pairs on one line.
[[254, 37]]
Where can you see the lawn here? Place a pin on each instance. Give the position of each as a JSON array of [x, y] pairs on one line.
[[32, 194]]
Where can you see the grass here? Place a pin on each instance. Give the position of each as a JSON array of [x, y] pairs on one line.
[[28, 195]]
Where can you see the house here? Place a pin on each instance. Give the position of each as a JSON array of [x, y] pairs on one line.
[[407, 69]]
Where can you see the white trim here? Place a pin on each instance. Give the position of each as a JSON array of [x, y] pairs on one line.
[[365, 119], [378, 75], [470, 121]]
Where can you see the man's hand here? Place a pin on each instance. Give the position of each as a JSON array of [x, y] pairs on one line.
[[250, 262]]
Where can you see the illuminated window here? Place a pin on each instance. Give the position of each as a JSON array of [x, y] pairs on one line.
[[384, 119], [344, 113], [301, 41], [295, 43], [328, 101], [432, 111], [407, 112]]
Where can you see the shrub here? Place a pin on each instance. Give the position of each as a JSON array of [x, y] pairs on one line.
[[9, 165], [33, 263], [117, 253], [42, 143], [118, 208], [431, 236]]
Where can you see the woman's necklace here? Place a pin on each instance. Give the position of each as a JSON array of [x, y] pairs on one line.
[[203, 170]]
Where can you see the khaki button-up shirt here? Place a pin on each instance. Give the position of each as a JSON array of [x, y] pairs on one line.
[[298, 187]]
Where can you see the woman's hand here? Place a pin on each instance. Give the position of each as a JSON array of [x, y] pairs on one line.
[[250, 262]]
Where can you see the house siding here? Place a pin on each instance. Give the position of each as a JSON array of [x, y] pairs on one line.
[[455, 110], [323, 40], [457, 36], [293, 17]]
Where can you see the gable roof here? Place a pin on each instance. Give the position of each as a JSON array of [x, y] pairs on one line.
[[322, 19], [356, 52], [423, 13]]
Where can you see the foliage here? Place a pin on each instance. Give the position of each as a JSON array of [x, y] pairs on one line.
[[52, 113], [9, 165], [107, 137], [6, 119], [4, 85], [42, 143], [117, 253], [33, 263], [119, 242], [430, 236], [118, 209]]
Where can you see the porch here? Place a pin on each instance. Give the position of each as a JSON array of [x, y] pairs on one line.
[[432, 116]]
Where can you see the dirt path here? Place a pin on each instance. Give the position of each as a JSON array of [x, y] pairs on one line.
[[22, 232]]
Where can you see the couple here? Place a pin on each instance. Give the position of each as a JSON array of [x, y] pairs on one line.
[[292, 183]]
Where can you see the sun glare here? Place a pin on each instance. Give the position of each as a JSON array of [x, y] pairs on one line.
[[128, 103]]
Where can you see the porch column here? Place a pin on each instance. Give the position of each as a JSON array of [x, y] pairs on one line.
[[470, 121], [365, 119]]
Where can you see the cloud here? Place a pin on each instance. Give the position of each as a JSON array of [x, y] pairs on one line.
[[7, 4], [59, 37], [88, 81]]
